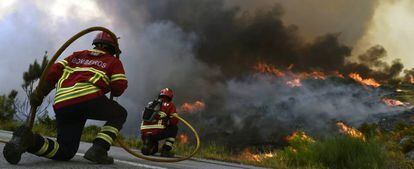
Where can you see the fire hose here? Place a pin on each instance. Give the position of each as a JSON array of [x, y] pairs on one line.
[[31, 119]]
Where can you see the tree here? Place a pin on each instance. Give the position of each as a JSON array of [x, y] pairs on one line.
[[7, 106], [30, 78], [33, 74]]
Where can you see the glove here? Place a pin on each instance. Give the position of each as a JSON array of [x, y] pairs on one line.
[[35, 99], [160, 115]]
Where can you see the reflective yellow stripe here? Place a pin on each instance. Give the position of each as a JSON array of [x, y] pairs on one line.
[[97, 51], [79, 89], [88, 69], [102, 74], [63, 91], [63, 62], [94, 78], [63, 78], [73, 91], [69, 70], [76, 86], [76, 94], [162, 114], [171, 139], [44, 147], [110, 129], [155, 126], [55, 149], [116, 77], [169, 144], [105, 137]]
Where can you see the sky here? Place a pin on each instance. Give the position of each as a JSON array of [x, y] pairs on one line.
[[28, 28]]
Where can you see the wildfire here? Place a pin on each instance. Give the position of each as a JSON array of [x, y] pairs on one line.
[[183, 139], [411, 79], [266, 68], [366, 82], [392, 102], [299, 135], [350, 131], [340, 75], [317, 75], [193, 107], [269, 155], [294, 83], [294, 79], [247, 154]]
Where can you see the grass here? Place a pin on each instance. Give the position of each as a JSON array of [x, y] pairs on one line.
[[379, 150]]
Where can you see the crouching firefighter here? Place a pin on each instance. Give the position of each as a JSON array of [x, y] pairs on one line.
[[81, 81], [158, 123]]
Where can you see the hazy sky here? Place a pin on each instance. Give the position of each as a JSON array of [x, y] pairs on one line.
[[392, 26]]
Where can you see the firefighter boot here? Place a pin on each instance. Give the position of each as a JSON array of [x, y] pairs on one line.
[[22, 139], [166, 151], [149, 147], [98, 154]]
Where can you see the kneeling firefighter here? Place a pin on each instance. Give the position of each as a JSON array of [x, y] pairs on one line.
[[158, 123], [81, 80]]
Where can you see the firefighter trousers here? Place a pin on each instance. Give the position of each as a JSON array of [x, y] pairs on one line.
[[168, 134], [70, 123]]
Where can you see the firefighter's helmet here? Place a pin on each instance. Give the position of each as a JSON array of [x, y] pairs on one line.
[[167, 92], [105, 38]]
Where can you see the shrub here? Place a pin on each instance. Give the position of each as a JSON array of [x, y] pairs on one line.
[[340, 152]]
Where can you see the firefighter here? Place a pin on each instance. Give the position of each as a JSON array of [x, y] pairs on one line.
[[81, 81], [158, 123]]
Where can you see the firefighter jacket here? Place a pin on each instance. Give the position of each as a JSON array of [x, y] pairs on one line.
[[162, 120], [86, 75]]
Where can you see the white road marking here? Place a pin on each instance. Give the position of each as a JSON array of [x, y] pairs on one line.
[[130, 163]]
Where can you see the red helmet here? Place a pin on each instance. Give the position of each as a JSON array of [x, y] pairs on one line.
[[106, 38], [167, 92]]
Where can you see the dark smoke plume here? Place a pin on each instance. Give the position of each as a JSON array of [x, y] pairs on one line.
[[205, 50], [235, 40], [370, 65]]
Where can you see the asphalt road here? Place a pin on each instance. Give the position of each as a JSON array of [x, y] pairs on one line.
[[122, 160]]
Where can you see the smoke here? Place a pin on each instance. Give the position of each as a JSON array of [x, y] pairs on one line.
[[371, 64], [228, 35], [205, 50], [262, 109]]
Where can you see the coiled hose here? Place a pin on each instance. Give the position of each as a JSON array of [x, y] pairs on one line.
[[31, 119]]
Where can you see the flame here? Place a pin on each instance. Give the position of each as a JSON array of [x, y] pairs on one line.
[[411, 79], [291, 66], [299, 135], [294, 79], [193, 107], [350, 131], [392, 102], [340, 75], [265, 68], [183, 139], [317, 75], [247, 154], [269, 155], [366, 82], [294, 83]]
